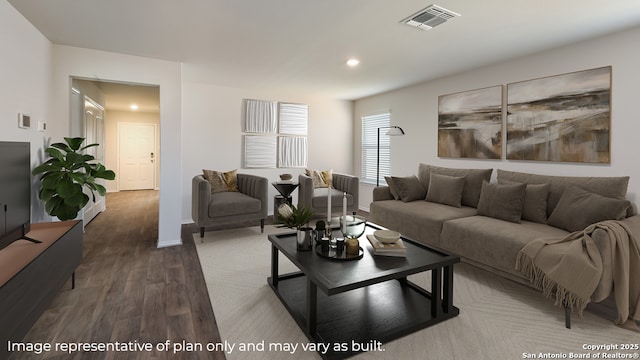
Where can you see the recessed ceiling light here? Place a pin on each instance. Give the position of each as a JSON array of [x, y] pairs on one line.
[[353, 62], [134, 107]]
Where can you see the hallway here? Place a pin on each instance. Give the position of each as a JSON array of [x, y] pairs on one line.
[[128, 290]]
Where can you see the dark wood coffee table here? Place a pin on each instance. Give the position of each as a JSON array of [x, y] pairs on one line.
[[362, 303]]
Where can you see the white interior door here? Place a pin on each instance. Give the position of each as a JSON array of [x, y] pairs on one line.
[[137, 156]]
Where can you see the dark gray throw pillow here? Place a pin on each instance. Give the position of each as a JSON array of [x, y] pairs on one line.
[[578, 209], [409, 188], [392, 187], [502, 201], [472, 183], [446, 189], [535, 201]]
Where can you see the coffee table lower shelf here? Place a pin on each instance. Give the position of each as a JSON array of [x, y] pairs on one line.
[[361, 319]]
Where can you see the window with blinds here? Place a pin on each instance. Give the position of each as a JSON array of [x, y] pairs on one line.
[[370, 125]]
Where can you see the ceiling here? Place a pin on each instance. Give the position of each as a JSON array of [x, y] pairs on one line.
[[120, 97], [302, 45]]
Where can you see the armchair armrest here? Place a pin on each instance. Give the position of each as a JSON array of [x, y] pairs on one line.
[[256, 187], [200, 198], [305, 191]]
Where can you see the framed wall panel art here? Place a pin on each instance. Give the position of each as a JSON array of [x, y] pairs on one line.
[[564, 118], [470, 124], [260, 151]]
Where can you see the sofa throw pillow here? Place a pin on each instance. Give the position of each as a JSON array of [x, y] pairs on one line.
[[578, 209], [221, 181], [392, 187], [472, 183], [409, 188], [535, 201], [612, 187], [502, 201], [446, 189], [321, 179]]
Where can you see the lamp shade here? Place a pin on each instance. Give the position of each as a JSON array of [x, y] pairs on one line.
[[395, 131]]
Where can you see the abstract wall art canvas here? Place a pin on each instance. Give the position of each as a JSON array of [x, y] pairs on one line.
[[470, 124], [563, 118]]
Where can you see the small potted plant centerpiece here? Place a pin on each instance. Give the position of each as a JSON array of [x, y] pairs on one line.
[[65, 176], [297, 218]]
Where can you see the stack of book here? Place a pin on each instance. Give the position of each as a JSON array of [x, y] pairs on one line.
[[387, 249]]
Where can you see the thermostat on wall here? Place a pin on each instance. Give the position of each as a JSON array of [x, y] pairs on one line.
[[24, 121]]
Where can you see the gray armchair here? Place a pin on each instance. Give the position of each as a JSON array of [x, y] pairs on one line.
[[316, 199], [250, 203]]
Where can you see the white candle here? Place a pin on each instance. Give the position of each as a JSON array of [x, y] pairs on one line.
[[329, 205], [344, 211], [344, 203]]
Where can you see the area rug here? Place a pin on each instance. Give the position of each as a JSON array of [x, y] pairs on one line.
[[499, 319]]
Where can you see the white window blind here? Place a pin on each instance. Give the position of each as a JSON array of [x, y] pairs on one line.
[[370, 125]]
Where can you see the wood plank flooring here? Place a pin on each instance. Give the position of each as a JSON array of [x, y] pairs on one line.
[[129, 290]]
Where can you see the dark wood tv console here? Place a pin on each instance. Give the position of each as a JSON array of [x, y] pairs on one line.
[[31, 274]]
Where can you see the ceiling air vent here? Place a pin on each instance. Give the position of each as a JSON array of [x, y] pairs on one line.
[[429, 17]]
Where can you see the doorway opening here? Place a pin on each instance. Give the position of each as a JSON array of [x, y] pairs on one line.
[[127, 132]]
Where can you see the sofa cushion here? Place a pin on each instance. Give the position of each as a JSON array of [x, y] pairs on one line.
[[419, 220], [613, 187], [409, 188], [392, 187], [578, 209], [502, 201], [221, 181], [232, 203], [446, 189], [491, 241], [472, 184], [535, 201]]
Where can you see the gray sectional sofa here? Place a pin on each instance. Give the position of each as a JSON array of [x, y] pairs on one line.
[[487, 223]]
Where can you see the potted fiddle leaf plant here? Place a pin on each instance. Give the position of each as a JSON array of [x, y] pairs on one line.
[[65, 176]]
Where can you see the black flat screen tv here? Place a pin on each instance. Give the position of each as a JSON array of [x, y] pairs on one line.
[[15, 191]]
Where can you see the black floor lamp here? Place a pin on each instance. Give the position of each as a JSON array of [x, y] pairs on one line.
[[393, 131]]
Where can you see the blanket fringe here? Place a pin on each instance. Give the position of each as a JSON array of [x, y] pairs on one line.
[[549, 288]]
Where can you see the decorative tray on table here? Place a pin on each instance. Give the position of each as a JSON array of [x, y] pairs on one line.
[[330, 252]]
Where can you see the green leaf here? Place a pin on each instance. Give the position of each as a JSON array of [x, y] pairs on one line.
[[51, 205], [46, 194], [66, 212], [100, 189], [80, 178], [74, 143], [107, 174], [55, 153], [78, 200], [68, 189], [44, 168], [88, 146], [51, 182], [61, 146]]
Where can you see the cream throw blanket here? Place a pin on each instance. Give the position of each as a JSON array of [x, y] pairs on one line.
[[570, 269]]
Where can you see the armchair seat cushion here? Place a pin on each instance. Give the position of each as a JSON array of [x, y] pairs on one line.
[[232, 203], [319, 199]]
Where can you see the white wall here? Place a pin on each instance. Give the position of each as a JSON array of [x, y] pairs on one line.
[[212, 133], [415, 109], [25, 87], [99, 65]]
